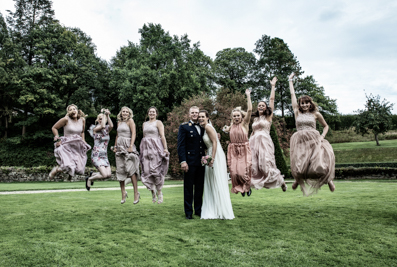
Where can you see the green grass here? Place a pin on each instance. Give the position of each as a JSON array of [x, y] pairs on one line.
[[366, 152], [67, 185], [349, 135], [354, 226]]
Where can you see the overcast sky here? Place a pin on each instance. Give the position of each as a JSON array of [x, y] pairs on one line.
[[348, 46]]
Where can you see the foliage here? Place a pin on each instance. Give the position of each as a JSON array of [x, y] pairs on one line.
[[234, 69], [278, 153], [364, 172], [375, 118], [275, 59], [374, 165]]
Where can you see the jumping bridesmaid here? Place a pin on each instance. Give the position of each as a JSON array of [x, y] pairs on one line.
[[127, 157], [238, 151], [312, 157], [71, 149], [154, 155], [264, 170], [99, 154]]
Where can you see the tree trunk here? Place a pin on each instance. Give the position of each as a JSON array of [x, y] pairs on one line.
[[6, 131], [377, 141], [24, 126]]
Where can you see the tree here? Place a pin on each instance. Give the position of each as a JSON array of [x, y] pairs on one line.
[[234, 69], [376, 117], [275, 59], [160, 71]]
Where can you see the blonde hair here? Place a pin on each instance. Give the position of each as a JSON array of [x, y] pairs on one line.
[[120, 117], [103, 118], [242, 112], [80, 113], [194, 107]]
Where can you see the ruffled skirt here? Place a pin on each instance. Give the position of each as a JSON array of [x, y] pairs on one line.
[[154, 163], [71, 155], [127, 164], [264, 170], [312, 160]]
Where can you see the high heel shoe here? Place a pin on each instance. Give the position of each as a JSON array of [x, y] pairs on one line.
[[160, 198], [86, 186], [284, 187], [137, 201], [154, 196], [331, 186], [249, 192], [92, 182], [295, 185], [123, 200], [52, 173]]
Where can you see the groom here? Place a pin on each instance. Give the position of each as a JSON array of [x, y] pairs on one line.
[[190, 150]]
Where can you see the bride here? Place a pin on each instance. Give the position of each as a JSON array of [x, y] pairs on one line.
[[216, 201]]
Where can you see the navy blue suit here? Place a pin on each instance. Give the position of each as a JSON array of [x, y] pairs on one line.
[[191, 148]]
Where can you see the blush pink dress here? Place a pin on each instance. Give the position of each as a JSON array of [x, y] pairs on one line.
[[312, 159], [154, 161], [127, 164], [71, 155], [239, 160], [264, 170]]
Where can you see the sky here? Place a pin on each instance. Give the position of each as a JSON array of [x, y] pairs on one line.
[[350, 47]]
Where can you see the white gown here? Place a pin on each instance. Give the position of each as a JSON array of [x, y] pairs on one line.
[[216, 200]]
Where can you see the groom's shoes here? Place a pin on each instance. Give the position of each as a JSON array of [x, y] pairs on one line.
[[197, 214], [189, 217]]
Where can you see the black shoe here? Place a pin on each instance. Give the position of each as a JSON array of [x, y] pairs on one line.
[[189, 217], [86, 186], [243, 194], [198, 214], [91, 172], [249, 192]]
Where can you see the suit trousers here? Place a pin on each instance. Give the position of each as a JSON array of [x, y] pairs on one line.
[[193, 178]]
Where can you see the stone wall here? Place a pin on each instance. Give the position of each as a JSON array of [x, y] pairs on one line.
[[40, 174]]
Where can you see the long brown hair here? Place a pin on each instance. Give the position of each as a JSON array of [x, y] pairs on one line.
[[268, 111], [306, 98], [80, 113]]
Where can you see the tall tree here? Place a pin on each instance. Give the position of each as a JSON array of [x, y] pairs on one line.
[[375, 118], [159, 71], [234, 68], [11, 65], [275, 59]]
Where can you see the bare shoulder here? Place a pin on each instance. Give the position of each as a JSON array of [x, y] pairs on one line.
[[159, 123]]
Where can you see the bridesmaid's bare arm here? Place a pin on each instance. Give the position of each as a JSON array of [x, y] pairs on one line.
[[247, 118], [272, 96], [115, 141], [59, 124], [131, 123], [321, 120], [214, 139], [160, 126], [295, 104], [109, 122]]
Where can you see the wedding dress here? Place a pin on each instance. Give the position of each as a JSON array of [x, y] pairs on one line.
[[216, 200]]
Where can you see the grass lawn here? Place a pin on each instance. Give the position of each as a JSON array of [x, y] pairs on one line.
[[366, 151], [354, 226]]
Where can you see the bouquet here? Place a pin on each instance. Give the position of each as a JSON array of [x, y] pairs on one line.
[[205, 160]]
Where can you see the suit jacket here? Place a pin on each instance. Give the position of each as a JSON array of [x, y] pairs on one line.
[[191, 146]]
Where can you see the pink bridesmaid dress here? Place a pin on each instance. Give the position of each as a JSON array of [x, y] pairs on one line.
[[154, 161], [239, 160], [264, 170], [312, 159], [71, 155]]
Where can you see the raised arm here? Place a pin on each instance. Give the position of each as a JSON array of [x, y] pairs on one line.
[[321, 120], [272, 95], [295, 105], [131, 124], [115, 141], [109, 120], [213, 137], [247, 118], [160, 126]]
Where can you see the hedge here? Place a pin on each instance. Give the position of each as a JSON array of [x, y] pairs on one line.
[[278, 153]]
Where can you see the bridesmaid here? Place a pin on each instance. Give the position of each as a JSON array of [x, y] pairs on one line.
[[127, 157], [154, 155], [312, 157], [264, 170], [238, 151], [99, 155], [71, 149]]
